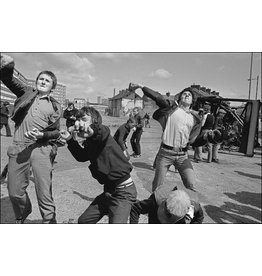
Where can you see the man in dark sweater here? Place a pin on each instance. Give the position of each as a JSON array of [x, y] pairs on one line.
[[207, 126], [109, 167], [136, 136], [70, 114], [168, 205], [122, 133]]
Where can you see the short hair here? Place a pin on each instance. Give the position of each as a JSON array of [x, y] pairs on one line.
[[52, 76], [131, 120], [136, 108], [188, 89], [207, 107], [91, 111], [178, 203]]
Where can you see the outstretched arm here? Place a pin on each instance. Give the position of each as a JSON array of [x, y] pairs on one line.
[[6, 76], [155, 96]]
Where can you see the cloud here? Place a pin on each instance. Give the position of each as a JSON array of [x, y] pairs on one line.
[[114, 56], [221, 68], [198, 61], [161, 73]]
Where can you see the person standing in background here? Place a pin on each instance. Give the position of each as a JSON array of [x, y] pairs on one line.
[[4, 113], [136, 136], [70, 115], [207, 126], [121, 135]]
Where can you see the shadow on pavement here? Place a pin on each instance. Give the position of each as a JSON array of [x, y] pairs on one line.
[[143, 165], [83, 196], [247, 198], [233, 213], [249, 175]]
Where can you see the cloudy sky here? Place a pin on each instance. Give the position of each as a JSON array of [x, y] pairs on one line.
[[89, 75]]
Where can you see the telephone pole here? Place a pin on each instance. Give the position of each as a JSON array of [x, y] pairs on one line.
[[250, 78], [257, 87]]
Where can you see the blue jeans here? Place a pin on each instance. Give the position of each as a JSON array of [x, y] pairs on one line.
[[115, 203], [165, 158]]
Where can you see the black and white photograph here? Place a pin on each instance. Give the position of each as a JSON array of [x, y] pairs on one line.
[[121, 123], [78, 149]]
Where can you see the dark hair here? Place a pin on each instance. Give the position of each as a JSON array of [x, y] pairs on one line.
[[52, 76], [131, 120], [188, 89], [91, 111]]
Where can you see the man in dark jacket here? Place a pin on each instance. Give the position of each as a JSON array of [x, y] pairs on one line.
[[136, 136], [70, 115], [181, 126], [4, 115], [168, 205], [122, 133], [108, 165], [37, 121]]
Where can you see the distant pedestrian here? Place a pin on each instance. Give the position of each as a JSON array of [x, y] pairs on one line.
[[108, 165], [198, 150], [218, 125], [207, 126], [4, 115], [147, 120], [136, 136], [167, 205], [70, 115], [122, 133]]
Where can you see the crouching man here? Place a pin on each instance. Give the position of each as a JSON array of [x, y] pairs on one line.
[[167, 205]]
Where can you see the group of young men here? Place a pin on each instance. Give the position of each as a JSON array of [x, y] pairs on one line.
[[37, 133]]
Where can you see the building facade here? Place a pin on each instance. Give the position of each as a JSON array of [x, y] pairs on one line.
[[123, 103], [79, 102]]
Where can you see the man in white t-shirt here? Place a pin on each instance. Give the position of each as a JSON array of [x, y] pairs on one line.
[[181, 126]]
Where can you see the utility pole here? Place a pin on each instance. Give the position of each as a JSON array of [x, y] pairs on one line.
[[257, 87], [250, 78]]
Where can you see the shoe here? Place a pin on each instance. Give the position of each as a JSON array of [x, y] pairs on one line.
[[197, 160], [136, 155], [22, 220], [9, 136], [215, 160], [133, 154]]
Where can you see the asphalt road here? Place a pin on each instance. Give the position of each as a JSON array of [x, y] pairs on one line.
[[230, 192]]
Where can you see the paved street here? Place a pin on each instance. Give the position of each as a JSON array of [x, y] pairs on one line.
[[230, 192]]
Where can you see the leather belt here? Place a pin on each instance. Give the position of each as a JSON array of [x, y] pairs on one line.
[[182, 150], [125, 184]]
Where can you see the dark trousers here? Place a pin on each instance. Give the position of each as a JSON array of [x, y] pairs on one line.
[[7, 128], [116, 204], [135, 141]]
